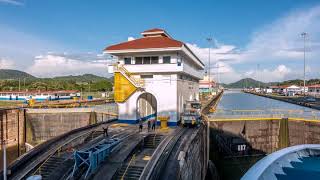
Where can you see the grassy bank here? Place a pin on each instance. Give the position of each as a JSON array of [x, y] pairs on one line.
[[7, 104]]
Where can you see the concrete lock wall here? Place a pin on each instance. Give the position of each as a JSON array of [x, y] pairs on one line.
[[269, 135], [44, 124], [262, 135], [302, 132], [12, 132], [48, 125], [193, 160]]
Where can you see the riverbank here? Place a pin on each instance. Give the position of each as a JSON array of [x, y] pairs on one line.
[[293, 100]]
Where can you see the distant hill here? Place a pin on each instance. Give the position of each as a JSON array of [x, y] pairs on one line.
[[81, 78], [14, 74], [86, 82], [247, 82]]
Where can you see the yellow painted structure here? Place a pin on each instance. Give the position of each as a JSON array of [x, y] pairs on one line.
[[32, 102], [123, 88], [163, 121]]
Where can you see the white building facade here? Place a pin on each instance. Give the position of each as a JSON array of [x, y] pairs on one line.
[[169, 73]]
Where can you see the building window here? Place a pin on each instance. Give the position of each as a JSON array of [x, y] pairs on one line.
[[127, 60], [154, 60], [166, 59], [138, 60], [146, 60], [146, 76]]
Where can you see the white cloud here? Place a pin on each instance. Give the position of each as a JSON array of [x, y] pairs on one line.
[[6, 64], [13, 2], [21, 47], [131, 38], [224, 53], [281, 40], [56, 65], [278, 44], [279, 73]]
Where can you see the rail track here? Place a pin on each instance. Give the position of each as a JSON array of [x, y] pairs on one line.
[[32, 160], [162, 155]]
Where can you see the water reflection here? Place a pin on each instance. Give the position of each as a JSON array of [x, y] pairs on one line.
[[237, 104]]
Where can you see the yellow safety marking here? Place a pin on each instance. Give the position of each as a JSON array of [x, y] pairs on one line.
[[123, 88], [244, 119], [119, 125], [146, 158], [263, 119], [305, 120], [247, 110]]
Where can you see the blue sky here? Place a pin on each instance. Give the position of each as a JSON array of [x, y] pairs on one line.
[[42, 35]]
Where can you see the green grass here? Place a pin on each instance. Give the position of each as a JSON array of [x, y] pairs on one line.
[[4, 104]]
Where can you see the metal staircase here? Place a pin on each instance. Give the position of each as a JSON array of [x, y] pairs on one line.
[[139, 83], [129, 172], [50, 168], [93, 135], [152, 141]]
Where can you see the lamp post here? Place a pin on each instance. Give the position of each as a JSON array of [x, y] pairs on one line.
[[304, 34], [209, 74], [258, 69]]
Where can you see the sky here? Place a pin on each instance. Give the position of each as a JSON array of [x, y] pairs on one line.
[[256, 39]]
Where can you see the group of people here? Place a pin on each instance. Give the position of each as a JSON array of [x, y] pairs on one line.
[[151, 125]]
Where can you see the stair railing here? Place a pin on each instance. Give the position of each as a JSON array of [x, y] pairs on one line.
[[125, 172], [138, 82], [38, 170]]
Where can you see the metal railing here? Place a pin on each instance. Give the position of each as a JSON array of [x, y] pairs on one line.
[[267, 113], [137, 81], [93, 157], [58, 150], [133, 158]]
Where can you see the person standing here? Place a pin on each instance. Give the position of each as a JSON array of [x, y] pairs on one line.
[[105, 131], [140, 125], [149, 125], [153, 124]]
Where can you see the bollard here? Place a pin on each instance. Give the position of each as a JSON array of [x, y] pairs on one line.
[[163, 122]]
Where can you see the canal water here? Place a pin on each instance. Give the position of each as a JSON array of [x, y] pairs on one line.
[[236, 104]]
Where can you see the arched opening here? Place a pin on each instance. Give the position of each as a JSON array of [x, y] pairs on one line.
[[146, 106]]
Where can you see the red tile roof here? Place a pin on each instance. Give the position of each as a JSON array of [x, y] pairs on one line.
[[314, 86], [146, 43], [153, 30]]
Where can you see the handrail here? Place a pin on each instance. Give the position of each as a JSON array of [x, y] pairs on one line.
[[160, 160], [58, 150], [133, 158], [138, 82]]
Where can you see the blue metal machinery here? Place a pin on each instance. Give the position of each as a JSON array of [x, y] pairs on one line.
[[91, 158]]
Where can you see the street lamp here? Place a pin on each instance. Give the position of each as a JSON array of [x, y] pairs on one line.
[[209, 41], [304, 34]]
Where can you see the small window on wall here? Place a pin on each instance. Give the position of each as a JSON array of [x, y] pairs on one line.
[[138, 60], [154, 60], [146, 60], [127, 60], [166, 59], [146, 76]]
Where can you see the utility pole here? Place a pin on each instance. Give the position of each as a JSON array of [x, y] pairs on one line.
[[209, 69], [19, 84], [304, 34], [258, 67], [24, 83]]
